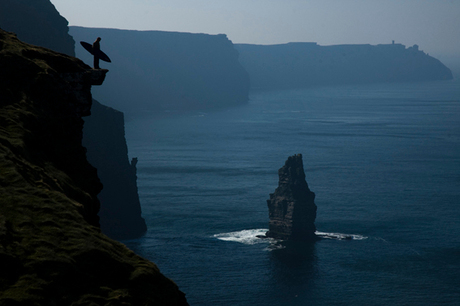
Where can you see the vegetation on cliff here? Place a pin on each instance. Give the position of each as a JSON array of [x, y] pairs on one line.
[[51, 248]]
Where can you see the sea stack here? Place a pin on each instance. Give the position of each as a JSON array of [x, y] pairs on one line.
[[291, 207]]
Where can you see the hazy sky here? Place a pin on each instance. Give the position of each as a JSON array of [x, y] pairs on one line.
[[432, 24]]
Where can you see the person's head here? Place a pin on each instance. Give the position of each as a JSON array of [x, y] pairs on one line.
[[98, 39]]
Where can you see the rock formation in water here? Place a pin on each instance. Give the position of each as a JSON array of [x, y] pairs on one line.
[[104, 138], [300, 65], [158, 71], [292, 209], [51, 248], [37, 22]]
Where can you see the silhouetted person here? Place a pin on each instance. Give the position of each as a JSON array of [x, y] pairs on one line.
[[96, 49]]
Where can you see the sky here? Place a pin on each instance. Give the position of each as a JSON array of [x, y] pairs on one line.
[[434, 25]]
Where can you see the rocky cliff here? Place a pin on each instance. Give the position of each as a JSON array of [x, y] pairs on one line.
[[37, 22], [51, 248], [157, 71], [104, 138], [299, 65], [292, 210]]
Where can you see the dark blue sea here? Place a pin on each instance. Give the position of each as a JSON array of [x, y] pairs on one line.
[[383, 161]]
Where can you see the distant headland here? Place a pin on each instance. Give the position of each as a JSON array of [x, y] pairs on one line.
[[168, 71], [185, 71], [299, 65]]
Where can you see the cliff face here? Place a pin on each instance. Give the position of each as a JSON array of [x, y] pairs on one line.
[[154, 70], [291, 207], [51, 250], [37, 22], [298, 65], [104, 138]]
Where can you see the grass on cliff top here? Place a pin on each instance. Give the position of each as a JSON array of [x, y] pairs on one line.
[[49, 247], [57, 256], [46, 59]]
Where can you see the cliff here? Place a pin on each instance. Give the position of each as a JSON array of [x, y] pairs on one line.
[[298, 65], [104, 138], [51, 249], [292, 210], [37, 22], [157, 71]]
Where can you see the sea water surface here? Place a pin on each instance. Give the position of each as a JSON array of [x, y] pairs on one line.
[[383, 160]]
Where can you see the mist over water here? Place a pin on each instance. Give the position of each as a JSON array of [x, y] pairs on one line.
[[383, 160]]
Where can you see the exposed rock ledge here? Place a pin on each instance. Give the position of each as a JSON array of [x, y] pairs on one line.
[[79, 84], [292, 209], [51, 248]]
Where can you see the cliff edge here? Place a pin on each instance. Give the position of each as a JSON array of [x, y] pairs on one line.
[[39, 23], [51, 248]]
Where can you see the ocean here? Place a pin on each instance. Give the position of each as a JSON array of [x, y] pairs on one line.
[[382, 159]]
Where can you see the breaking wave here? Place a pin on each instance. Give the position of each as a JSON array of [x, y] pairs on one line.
[[257, 236], [248, 237], [340, 236]]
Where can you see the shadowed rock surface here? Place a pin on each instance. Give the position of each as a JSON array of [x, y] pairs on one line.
[[104, 138], [292, 210], [37, 22], [51, 248]]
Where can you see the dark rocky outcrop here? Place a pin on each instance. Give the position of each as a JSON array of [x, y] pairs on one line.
[[51, 248], [37, 22], [156, 71], [291, 207], [300, 65], [104, 138]]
